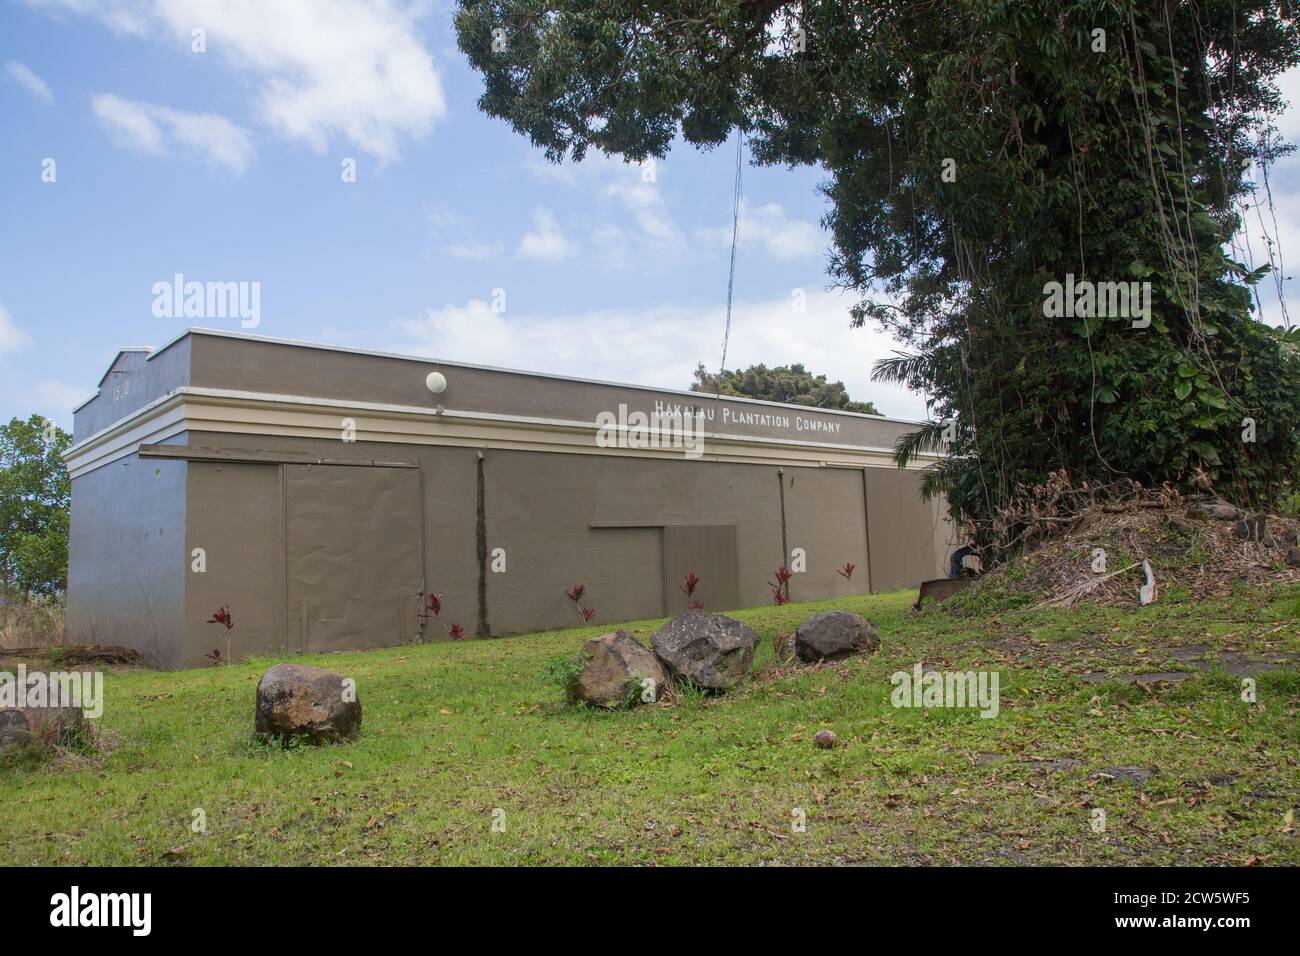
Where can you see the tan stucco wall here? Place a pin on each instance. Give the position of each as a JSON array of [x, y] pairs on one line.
[[254, 365], [564, 513], [562, 519]]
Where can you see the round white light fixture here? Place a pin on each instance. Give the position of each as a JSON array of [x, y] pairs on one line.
[[437, 382]]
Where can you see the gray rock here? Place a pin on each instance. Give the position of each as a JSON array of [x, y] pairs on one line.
[[1289, 536], [1051, 765], [1220, 511], [307, 703], [707, 650], [833, 636], [1138, 776], [1252, 528], [613, 662], [1221, 779], [20, 726]]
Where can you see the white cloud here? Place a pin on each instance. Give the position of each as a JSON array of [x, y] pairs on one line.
[[355, 69], [771, 228], [660, 345], [473, 249], [642, 200], [445, 222], [547, 241], [124, 16], [56, 400], [635, 227], [1251, 245], [646, 233], [12, 338], [1288, 124], [151, 128], [29, 80]]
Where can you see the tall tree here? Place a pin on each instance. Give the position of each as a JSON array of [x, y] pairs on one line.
[[792, 384], [35, 492], [977, 152]]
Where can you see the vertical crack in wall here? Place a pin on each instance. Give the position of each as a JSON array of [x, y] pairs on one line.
[[866, 516], [785, 545], [480, 533]]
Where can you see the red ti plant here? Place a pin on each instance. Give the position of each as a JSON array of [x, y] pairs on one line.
[[688, 586], [433, 609], [222, 616], [781, 587], [575, 594], [846, 570]]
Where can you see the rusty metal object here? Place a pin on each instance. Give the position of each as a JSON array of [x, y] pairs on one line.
[[941, 589]]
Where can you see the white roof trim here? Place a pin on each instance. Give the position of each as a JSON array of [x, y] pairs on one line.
[[180, 410]]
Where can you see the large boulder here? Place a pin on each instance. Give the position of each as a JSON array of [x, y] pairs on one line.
[[295, 701], [20, 726], [707, 650], [833, 636], [616, 665]]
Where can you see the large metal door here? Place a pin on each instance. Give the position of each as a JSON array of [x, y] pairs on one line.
[[908, 535], [709, 552], [353, 556]]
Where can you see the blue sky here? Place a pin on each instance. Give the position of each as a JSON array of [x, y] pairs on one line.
[[226, 165]]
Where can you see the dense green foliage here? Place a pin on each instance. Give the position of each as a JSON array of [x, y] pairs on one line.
[[792, 384], [976, 151], [34, 500]]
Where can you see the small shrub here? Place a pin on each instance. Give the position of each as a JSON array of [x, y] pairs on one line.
[[781, 586], [433, 609], [563, 672], [632, 691], [575, 594]]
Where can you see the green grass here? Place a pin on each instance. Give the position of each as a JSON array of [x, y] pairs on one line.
[[453, 731]]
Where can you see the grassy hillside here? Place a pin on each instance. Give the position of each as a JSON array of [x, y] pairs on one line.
[[452, 731]]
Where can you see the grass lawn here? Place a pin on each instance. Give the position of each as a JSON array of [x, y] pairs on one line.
[[452, 731]]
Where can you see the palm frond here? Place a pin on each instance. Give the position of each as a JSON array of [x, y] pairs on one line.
[[901, 369], [928, 438]]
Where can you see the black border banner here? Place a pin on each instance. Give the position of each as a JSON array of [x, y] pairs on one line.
[[335, 905]]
